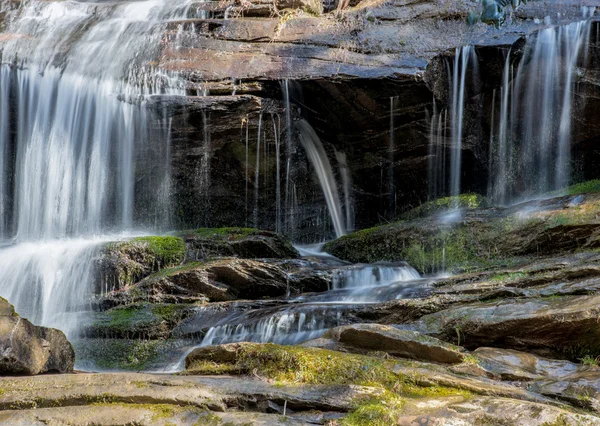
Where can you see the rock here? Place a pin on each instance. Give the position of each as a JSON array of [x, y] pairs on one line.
[[217, 280], [110, 414], [482, 237], [28, 349], [136, 321], [363, 338], [575, 383], [514, 365], [245, 243], [216, 394], [126, 262], [563, 326], [489, 411], [220, 353]]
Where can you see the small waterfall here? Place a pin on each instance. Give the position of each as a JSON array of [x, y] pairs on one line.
[[436, 166], [502, 156], [285, 327], [49, 282], [318, 158], [464, 56], [276, 133], [373, 275], [257, 173], [533, 143], [347, 185], [391, 149], [298, 322]]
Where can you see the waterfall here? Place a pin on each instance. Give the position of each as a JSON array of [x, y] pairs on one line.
[[436, 160], [463, 56], [533, 143], [502, 156], [76, 151], [318, 158], [372, 275], [391, 148]]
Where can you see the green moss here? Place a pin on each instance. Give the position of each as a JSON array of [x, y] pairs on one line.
[[588, 187], [227, 234], [560, 421], [483, 241], [463, 201], [293, 364], [376, 412], [141, 320], [166, 250], [120, 354], [134, 259]]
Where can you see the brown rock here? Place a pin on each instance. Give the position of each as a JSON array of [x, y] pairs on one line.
[[403, 343], [28, 349]]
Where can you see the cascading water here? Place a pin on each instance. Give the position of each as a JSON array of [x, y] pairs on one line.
[[308, 317], [436, 167], [464, 57], [533, 144], [446, 129], [74, 82], [391, 150], [318, 158]]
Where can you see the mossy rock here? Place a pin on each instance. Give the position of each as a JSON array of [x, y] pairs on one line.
[[463, 201], [122, 354], [126, 262], [247, 243], [481, 238], [137, 321]]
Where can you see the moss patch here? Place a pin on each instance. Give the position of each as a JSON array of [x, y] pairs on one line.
[[130, 261], [591, 186], [228, 234], [480, 240], [121, 354], [165, 250], [294, 365], [138, 320], [463, 201]]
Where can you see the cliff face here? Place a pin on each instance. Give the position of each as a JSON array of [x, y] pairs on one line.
[[366, 77]]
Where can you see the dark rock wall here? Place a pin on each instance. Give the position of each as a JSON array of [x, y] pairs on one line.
[[352, 116]]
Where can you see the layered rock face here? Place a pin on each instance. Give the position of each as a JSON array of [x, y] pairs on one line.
[[27, 349], [367, 78]]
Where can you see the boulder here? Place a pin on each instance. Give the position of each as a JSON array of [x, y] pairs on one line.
[[28, 349], [247, 243], [126, 262], [136, 321], [362, 338], [217, 280]]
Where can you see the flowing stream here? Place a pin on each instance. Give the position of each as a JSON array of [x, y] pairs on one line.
[[308, 316]]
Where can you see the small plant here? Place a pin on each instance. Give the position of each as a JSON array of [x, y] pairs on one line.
[[590, 361], [471, 360]]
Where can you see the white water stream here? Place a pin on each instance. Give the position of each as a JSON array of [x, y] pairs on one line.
[[74, 81]]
